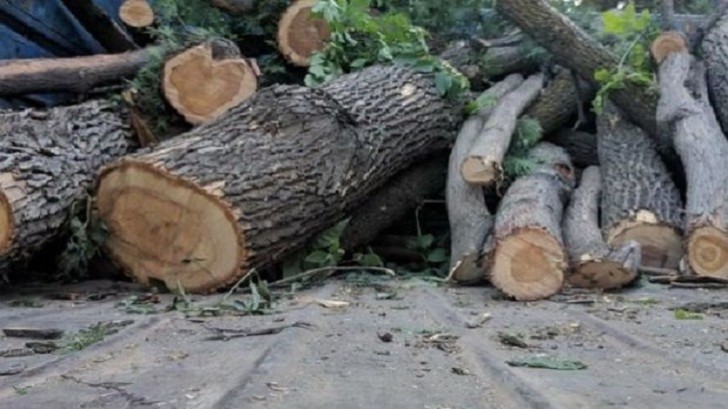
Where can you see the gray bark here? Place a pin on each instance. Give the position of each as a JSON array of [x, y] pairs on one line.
[[715, 54]]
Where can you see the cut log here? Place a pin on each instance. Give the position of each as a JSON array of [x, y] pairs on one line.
[[667, 43], [252, 187], [715, 54], [49, 160], [394, 200], [593, 263], [640, 202], [101, 25], [205, 81], [469, 218], [75, 74], [482, 166], [300, 34], [581, 146], [685, 113], [136, 13], [529, 260]]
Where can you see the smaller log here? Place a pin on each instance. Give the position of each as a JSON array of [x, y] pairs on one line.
[[300, 34], [593, 263], [483, 166], [581, 146], [667, 43], [203, 82], [136, 13], [101, 25], [469, 218], [528, 259]]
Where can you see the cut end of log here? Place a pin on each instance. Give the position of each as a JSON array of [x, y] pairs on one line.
[[661, 244], [481, 171], [300, 34], [201, 88], [529, 265], [707, 252], [165, 229], [136, 13], [6, 222], [667, 43], [601, 274]]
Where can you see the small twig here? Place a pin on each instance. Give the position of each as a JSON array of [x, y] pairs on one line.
[[330, 271], [658, 271], [224, 334], [237, 284]]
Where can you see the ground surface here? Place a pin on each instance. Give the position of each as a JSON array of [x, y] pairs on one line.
[[638, 355]]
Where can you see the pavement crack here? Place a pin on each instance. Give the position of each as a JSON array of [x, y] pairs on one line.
[[116, 387]]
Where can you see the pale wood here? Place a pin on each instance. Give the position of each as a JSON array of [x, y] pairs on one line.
[[667, 43], [300, 34], [483, 164], [136, 13]]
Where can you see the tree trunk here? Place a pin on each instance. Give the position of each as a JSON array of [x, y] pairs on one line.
[[75, 74], [640, 201], [482, 166], [685, 113], [575, 49], [205, 81], [581, 146], [715, 54], [393, 201], [250, 188], [101, 26], [593, 263], [469, 218], [529, 260], [48, 161], [300, 34]]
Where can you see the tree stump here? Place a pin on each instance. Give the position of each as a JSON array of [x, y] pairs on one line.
[[528, 259], [205, 81], [48, 161], [300, 34], [593, 263], [255, 185]]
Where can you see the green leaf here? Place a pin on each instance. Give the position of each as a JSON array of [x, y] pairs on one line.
[[681, 314], [369, 260], [439, 255], [443, 82], [548, 363], [317, 257], [424, 241]]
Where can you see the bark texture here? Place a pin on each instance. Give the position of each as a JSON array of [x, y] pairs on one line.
[[469, 218], [581, 146], [640, 202], [48, 160], [74, 74], [255, 185], [685, 113], [593, 263], [715, 53], [483, 165], [529, 259]]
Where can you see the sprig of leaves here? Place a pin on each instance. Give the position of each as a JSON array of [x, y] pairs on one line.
[[87, 235]]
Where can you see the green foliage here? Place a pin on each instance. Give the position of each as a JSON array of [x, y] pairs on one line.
[[517, 161], [87, 235], [681, 314], [483, 100], [91, 335], [359, 39], [630, 34]]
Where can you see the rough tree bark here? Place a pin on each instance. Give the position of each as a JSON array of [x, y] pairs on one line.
[[528, 259], [74, 74], [593, 263], [581, 146], [48, 160], [685, 113], [715, 54], [253, 186], [482, 166], [639, 201], [469, 218]]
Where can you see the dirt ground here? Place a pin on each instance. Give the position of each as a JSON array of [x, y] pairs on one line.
[[392, 344]]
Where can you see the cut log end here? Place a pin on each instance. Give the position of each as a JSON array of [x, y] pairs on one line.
[[667, 43], [166, 229], [202, 88], [300, 34], [601, 274], [661, 244], [480, 171], [529, 265], [6, 223], [707, 251], [136, 13]]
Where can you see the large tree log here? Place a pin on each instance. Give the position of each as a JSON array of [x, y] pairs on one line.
[[300, 34], [715, 54], [640, 201], [483, 166], [529, 260], [581, 146], [74, 74], [685, 112], [575, 49], [593, 263], [469, 218], [48, 160], [255, 185], [205, 81]]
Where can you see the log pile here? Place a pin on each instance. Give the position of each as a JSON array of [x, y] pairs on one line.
[[259, 171]]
